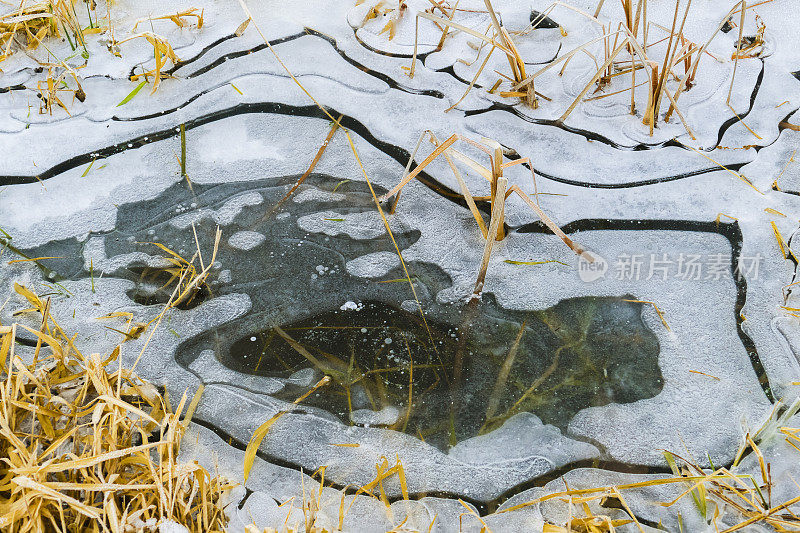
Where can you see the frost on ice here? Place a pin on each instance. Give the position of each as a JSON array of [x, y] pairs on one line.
[[689, 332]]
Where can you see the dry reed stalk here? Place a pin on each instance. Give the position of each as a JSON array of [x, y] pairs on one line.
[[738, 50], [497, 173], [669, 60], [684, 83], [564, 58], [493, 175], [447, 23], [88, 449], [335, 126], [449, 153], [500, 40], [594, 78], [678, 50], [498, 207], [723, 167], [177, 18]]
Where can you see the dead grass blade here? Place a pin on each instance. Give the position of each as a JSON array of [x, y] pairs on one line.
[[263, 429], [93, 447]]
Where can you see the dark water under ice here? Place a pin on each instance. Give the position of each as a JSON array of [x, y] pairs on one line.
[[460, 372], [579, 353]]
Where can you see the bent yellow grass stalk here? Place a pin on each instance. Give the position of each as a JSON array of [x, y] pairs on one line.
[[499, 192], [116, 471]]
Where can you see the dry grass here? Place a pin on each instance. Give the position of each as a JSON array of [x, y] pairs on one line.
[[79, 440], [671, 56], [89, 449], [29, 24], [55, 84], [500, 39], [728, 499], [383, 10], [162, 49], [498, 194], [27, 28], [722, 496], [89, 446], [187, 278], [316, 505], [635, 28]]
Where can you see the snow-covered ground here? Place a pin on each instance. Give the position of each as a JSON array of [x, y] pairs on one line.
[[697, 219]]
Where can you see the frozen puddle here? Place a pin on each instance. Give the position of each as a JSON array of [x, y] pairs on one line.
[[326, 296], [466, 369], [683, 335]]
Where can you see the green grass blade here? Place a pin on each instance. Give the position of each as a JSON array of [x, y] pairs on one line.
[[512, 262], [132, 94], [85, 172]]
